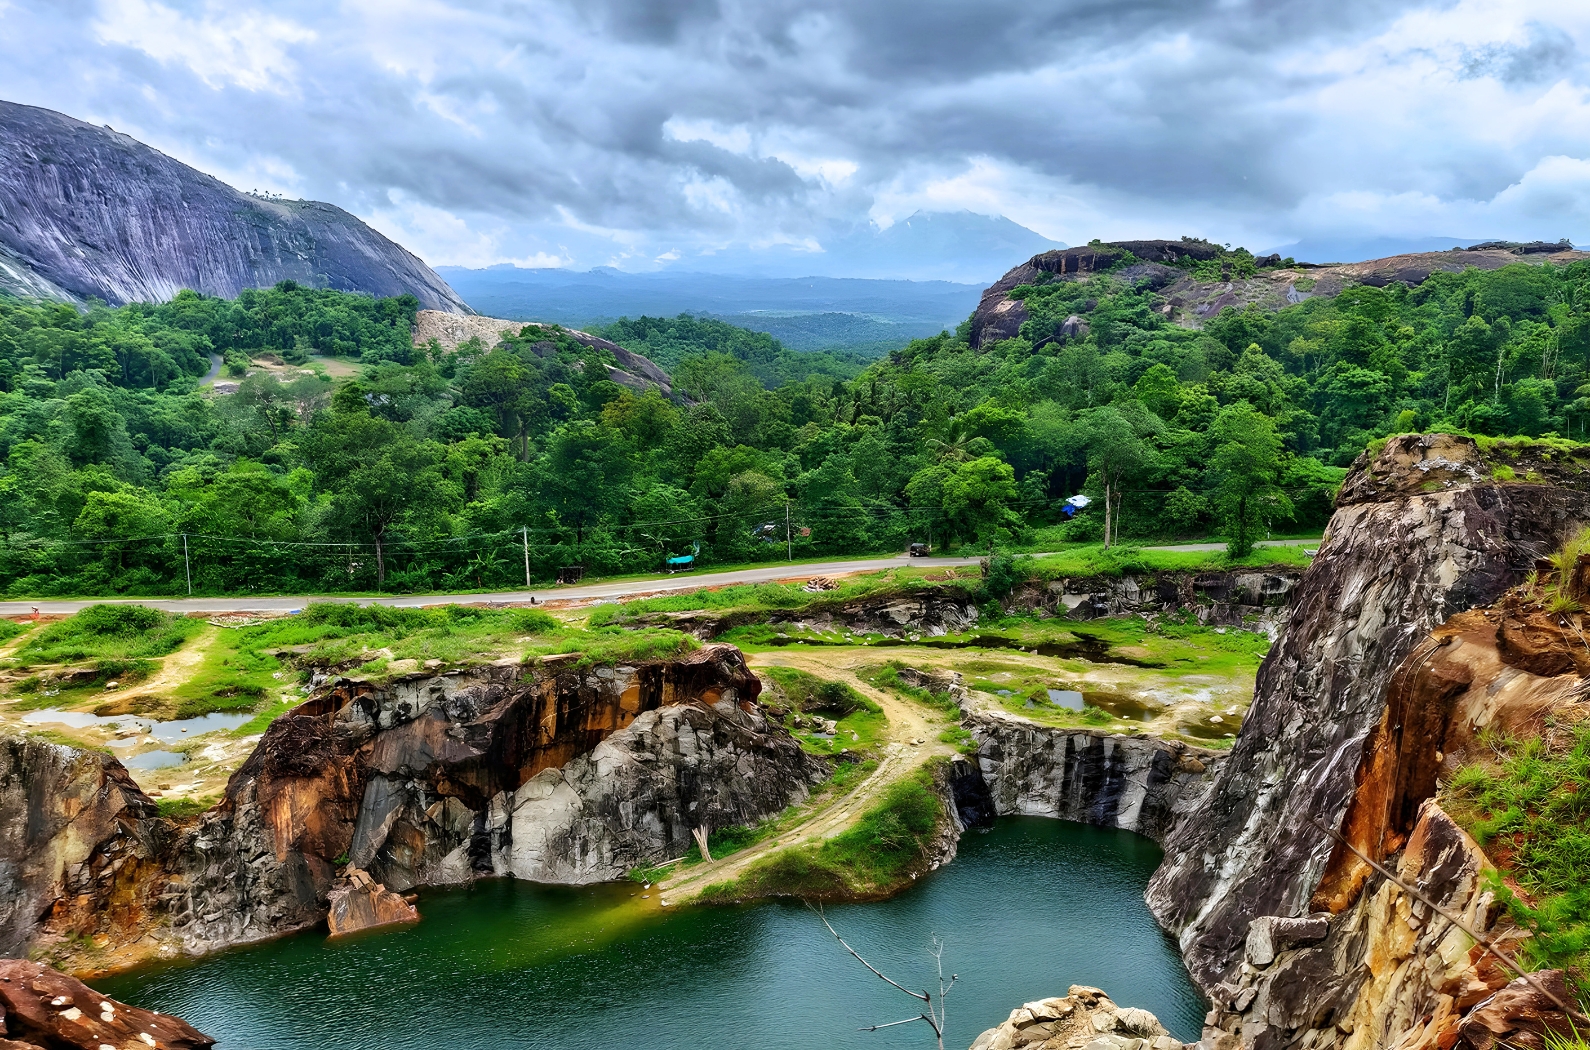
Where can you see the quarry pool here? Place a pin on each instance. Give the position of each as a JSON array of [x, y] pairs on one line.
[[1026, 909]]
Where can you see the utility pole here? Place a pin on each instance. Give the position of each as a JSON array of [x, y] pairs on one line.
[[524, 534], [187, 565], [789, 543]]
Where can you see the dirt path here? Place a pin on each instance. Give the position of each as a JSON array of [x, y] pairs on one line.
[[176, 669], [910, 741]]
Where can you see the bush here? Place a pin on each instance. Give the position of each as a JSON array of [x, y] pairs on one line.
[[110, 631]]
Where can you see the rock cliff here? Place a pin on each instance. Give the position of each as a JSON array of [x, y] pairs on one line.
[[556, 773], [1189, 301], [85, 211], [1383, 675], [43, 1009]]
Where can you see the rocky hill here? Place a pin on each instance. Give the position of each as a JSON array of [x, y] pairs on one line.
[[1189, 301], [87, 212]]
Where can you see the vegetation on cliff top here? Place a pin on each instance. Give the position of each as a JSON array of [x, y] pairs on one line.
[[1526, 805], [875, 856]]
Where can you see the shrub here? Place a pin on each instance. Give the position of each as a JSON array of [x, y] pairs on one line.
[[110, 631]]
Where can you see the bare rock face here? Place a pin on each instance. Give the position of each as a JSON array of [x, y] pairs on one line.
[[43, 1009], [1189, 301], [357, 902], [85, 211], [75, 832], [1082, 1019], [1408, 548], [633, 370], [1137, 783], [637, 796]]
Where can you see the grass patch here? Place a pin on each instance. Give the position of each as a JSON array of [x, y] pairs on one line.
[[1527, 805], [113, 632], [182, 808], [1094, 560], [799, 700], [9, 629], [881, 852]]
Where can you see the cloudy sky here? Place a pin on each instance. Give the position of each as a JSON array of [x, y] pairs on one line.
[[647, 133]]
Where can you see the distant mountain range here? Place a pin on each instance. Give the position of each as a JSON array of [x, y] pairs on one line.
[[961, 246], [86, 212], [806, 313]]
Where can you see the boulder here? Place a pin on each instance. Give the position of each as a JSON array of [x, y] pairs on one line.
[[1519, 1017], [1082, 1018], [357, 902], [44, 1009]]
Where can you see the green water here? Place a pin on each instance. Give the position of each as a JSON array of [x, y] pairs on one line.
[[1025, 910]]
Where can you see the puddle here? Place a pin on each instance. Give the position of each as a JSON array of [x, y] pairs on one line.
[[1126, 706], [1069, 699], [184, 728], [165, 732], [1205, 729], [153, 760]]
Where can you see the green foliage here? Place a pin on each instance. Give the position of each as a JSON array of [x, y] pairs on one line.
[[1527, 808], [449, 470], [182, 808], [881, 851], [109, 631]]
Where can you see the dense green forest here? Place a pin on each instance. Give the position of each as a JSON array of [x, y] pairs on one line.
[[444, 469]]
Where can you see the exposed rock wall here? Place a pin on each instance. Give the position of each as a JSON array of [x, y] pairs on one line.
[[1137, 783], [1188, 301], [1421, 533], [86, 211], [571, 775], [73, 827]]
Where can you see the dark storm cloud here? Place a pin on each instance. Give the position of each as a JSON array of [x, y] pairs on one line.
[[635, 126]]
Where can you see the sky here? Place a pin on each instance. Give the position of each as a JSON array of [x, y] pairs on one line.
[[647, 134]]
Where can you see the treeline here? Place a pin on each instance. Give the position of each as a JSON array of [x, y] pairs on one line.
[[451, 469]]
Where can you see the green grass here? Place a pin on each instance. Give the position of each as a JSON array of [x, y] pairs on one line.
[[764, 597], [1094, 560], [876, 856], [182, 808], [368, 640], [859, 723], [9, 629], [1528, 807], [110, 632]]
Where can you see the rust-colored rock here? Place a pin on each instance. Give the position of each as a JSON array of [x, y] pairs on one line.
[[1516, 1018], [44, 1009], [357, 902]]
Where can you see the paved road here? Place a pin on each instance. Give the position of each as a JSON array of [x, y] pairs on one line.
[[616, 589], [649, 585]]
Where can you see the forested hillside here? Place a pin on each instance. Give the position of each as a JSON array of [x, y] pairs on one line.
[[433, 468]]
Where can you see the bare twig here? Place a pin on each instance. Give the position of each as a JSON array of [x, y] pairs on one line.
[[1456, 920], [934, 1016]]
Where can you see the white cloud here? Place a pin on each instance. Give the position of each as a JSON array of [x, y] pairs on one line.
[[222, 46]]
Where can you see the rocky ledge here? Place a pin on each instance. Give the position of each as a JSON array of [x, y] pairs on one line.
[[43, 1009], [555, 773], [1082, 1019]]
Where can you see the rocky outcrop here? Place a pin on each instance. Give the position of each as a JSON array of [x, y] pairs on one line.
[[638, 795], [1188, 301], [1251, 601], [633, 370], [1400, 557], [1082, 1019], [1136, 783], [357, 903], [43, 1009], [75, 834], [1133, 782], [555, 772], [87, 212], [1389, 667]]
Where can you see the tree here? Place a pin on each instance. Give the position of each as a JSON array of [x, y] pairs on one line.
[[932, 1012], [1115, 455], [1245, 468]]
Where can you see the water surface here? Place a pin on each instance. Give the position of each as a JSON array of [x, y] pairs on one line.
[[1025, 910]]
